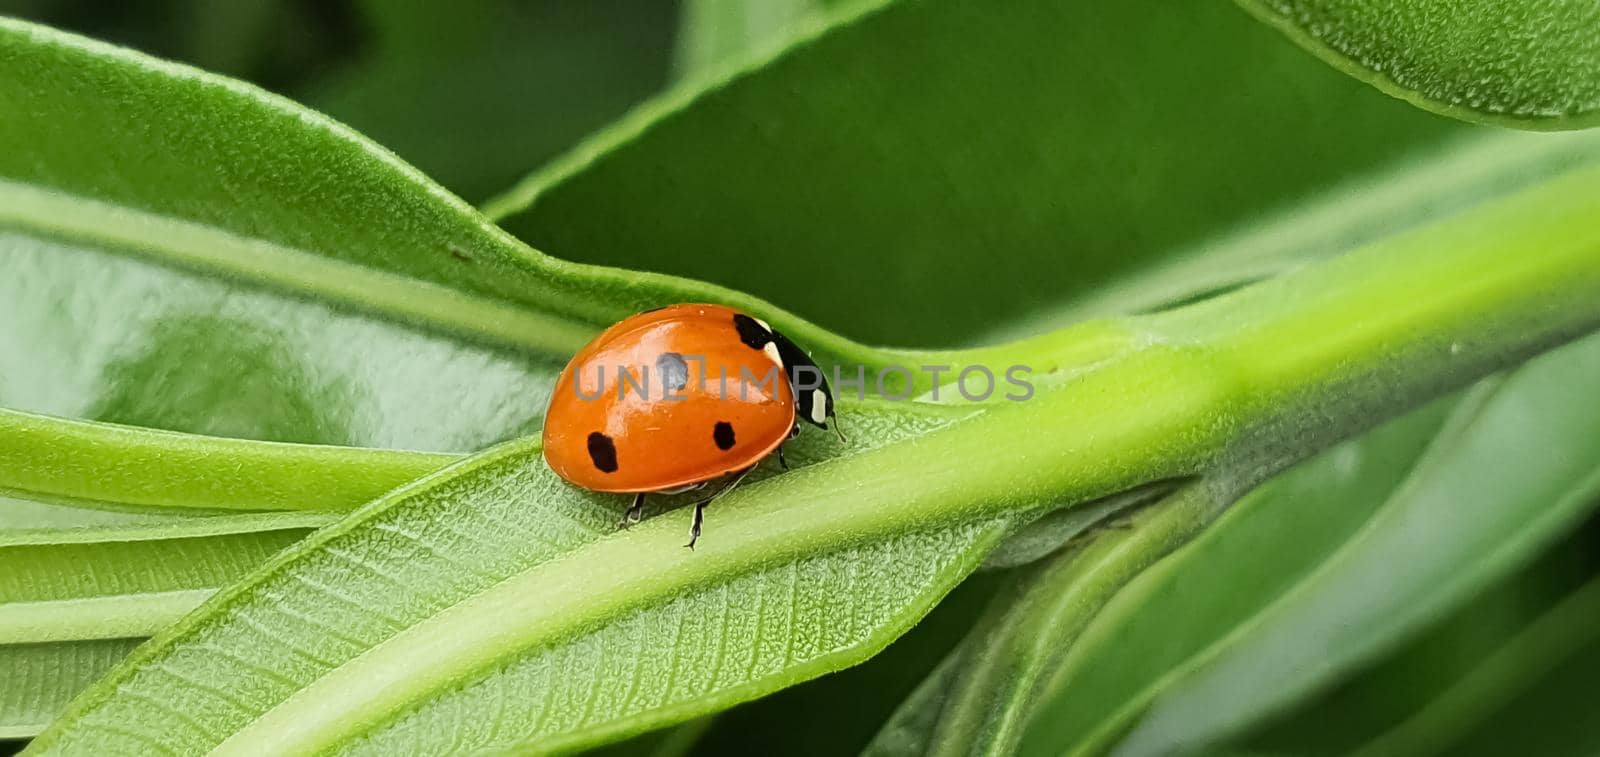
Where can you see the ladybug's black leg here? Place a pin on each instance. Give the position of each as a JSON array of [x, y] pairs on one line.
[[794, 431], [699, 520], [635, 512], [700, 505]]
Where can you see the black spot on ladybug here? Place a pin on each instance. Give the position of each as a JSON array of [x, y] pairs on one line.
[[751, 332], [722, 434], [673, 370], [603, 452]]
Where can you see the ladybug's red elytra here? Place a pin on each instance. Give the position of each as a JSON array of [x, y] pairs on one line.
[[671, 399]]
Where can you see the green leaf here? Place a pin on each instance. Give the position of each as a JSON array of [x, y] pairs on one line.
[[1484, 500], [473, 523], [492, 581], [126, 583], [1526, 64], [980, 700], [330, 213], [106, 465], [79, 585], [209, 258], [909, 729], [785, 724], [849, 604], [76, 525], [37, 680], [933, 172], [402, 389], [74, 602], [23, 520]]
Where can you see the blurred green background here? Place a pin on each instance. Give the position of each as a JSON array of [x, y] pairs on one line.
[[475, 94]]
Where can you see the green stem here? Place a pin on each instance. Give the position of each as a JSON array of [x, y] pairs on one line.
[[1335, 348]]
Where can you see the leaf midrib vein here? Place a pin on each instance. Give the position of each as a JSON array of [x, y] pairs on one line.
[[179, 242], [530, 593]]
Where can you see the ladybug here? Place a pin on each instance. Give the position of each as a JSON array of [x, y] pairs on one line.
[[672, 399]]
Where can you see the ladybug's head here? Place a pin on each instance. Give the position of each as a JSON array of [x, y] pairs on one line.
[[813, 397]]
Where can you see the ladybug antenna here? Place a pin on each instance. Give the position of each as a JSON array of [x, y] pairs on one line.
[[839, 431]]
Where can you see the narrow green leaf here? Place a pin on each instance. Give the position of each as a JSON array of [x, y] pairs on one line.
[[1277, 533], [124, 466], [909, 731], [71, 574], [78, 585], [491, 581], [115, 589], [74, 601], [983, 696], [784, 724], [1526, 64], [1485, 500], [837, 608], [991, 682], [330, 213], [37, 680], [209, 258], [475, 520], [24, 521], [935, 171], [1047, 535], [165, 348]]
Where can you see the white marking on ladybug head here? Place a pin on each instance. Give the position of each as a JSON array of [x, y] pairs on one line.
[[771, 348], [763, 323], [819, 406]]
